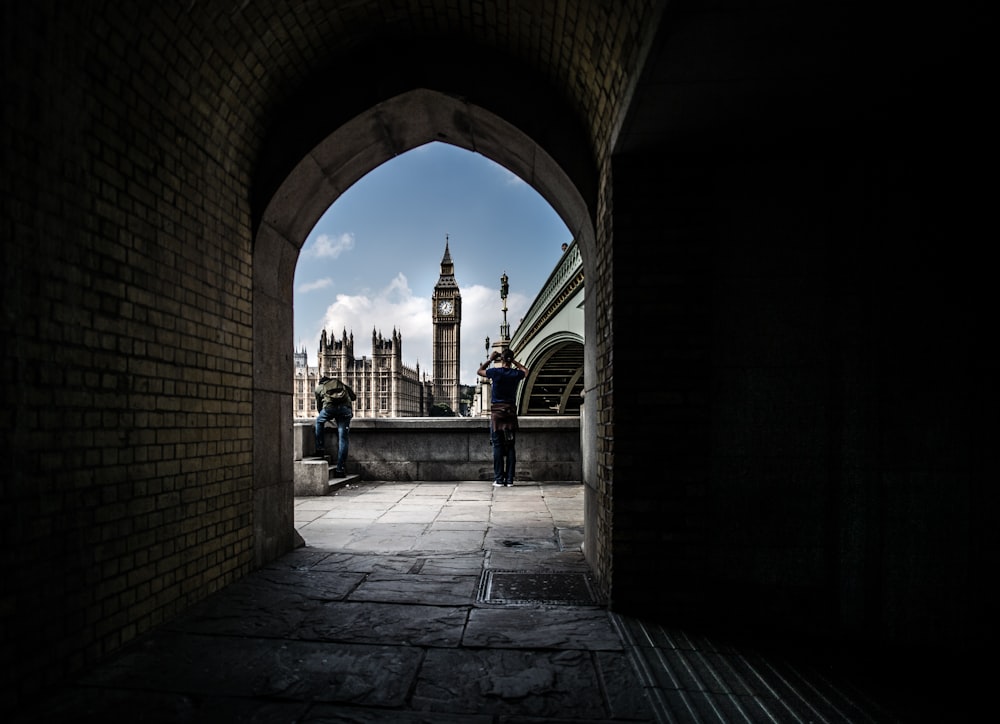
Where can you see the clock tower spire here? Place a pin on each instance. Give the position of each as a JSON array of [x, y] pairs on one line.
[[446, 305]]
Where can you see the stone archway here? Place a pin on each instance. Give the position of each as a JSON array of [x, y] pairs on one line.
[[406, 121]]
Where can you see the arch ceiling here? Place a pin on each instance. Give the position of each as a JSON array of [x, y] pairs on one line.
[[397, 125], [559, 72]]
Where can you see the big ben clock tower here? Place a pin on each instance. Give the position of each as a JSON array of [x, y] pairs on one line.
[[446, 304]]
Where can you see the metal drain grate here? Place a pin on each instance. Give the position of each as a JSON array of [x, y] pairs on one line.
[[523, 587]]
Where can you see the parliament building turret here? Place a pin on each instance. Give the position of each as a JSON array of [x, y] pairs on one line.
[[384, 385]]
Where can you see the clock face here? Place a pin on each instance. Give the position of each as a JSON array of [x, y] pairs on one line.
[[445, 307]]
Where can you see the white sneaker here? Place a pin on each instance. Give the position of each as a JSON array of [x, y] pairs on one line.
[[497, 484]]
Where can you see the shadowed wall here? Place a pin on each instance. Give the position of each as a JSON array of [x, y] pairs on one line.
[[787, 382]]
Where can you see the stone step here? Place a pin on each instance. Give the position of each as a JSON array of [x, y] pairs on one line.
[[335, 483], [314, 476]]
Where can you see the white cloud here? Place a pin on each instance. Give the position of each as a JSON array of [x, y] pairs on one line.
[[393, 307], [330, 247], [314, 286]]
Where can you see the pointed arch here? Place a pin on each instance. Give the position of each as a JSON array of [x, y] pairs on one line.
[[314, 182]]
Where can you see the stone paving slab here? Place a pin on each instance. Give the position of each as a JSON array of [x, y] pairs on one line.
[[441, 524], [557, 684], [334, 534], [331, 714], [517, 520], [322, 503], [437, 539], [409, 513], [523, 538], [468, 510], [367, 562], [470, 564], [302, 559], [303, 518], [388, 623], [313, 584], [386, 537], [529, 523], [267, 603], [385, 493], [89, 705], [263, 667], [473, 493], [355, 511], [441, 590], [569, 538]]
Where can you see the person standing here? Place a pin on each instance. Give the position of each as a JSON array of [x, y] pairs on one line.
[[333, 400], [504, 381]]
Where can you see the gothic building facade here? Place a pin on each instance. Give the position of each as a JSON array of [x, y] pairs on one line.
[[384, 385]]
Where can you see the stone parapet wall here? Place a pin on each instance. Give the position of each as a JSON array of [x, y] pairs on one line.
[[436, 448]]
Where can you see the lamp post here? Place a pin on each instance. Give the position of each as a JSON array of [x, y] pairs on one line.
[[504, 328]]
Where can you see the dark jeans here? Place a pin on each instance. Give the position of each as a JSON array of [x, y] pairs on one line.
[[342, 414], [504, 458]]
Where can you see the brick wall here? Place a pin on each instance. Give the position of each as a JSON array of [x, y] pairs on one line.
[[127, 264]]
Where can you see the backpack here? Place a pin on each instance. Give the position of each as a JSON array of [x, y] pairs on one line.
[[334, 393]]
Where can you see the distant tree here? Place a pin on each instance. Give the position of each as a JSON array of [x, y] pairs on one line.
[[441, 409]]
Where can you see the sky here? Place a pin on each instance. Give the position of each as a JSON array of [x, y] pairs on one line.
[[372, 260]]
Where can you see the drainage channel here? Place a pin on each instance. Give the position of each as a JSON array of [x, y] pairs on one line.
[[527, 587]]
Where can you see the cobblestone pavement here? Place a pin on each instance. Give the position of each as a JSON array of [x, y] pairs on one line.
[[443, 602]]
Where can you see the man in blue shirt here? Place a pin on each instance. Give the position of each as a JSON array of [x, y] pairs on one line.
[[504, 380]]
